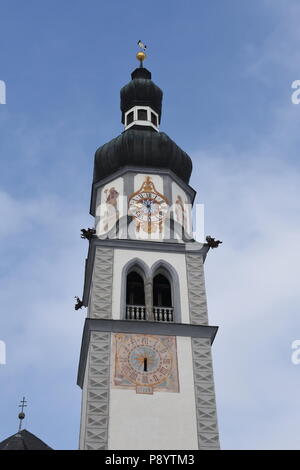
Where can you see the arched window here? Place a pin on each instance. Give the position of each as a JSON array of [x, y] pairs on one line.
[[135, 297], [162, 296], [135, 293], [162, 299]]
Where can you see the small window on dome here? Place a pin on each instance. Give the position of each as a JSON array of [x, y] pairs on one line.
[[129, 118], [154, 119], [142, 114]]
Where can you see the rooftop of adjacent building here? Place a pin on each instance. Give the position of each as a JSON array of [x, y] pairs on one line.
[[23, 440]]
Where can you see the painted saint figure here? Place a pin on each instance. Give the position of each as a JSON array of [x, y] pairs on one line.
[[180, 212], [109, 210]]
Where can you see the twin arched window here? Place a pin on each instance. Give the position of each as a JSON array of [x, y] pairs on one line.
[[149, 297]]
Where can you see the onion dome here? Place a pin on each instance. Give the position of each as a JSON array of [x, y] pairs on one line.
[[142, 148], [141, 91], [141, 144]]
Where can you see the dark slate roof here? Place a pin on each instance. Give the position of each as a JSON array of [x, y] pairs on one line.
[[23, 440], [141, 147], [141, 91]]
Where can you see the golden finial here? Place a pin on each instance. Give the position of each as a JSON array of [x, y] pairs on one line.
[[141, 55]]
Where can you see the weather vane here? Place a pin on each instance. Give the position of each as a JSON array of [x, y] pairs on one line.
[[22, 414], [141, 55]]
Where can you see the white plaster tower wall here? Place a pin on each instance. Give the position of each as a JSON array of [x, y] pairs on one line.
[[194, 406], [159, 421]]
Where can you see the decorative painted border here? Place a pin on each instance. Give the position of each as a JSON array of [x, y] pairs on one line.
[[207, 425], [196, 289], [101, 285], [95, 418]]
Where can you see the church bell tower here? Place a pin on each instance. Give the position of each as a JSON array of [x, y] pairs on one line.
[[145, 366]]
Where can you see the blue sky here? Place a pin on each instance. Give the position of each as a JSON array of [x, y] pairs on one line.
[[226, 69]]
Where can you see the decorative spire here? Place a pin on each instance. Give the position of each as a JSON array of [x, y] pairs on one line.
[[141, 55], [22, 414]]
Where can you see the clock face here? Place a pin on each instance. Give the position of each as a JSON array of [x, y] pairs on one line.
[[148, 207], [145, 362]]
